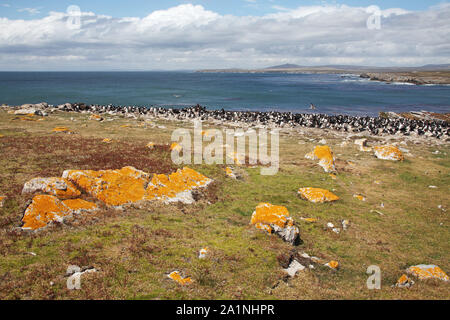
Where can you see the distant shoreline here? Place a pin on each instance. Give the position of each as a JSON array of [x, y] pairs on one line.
[[387, 75]]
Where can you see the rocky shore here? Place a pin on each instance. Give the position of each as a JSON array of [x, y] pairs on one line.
[[417, 78], [423, 123]]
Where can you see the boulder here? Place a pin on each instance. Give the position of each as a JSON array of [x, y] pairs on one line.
[[275, 219], [388, 153], [293, 268], [176, 276], [129, 185], [45, 209], [423, 271], [229, 172], [404, 282], [59, 187], [362, 143], [325, 157], [95, 117], [332, 265], [317, 195]]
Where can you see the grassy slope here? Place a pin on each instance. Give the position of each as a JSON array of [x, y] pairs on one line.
[[134, 249]]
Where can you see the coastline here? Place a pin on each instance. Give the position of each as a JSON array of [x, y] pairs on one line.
[[414, 125]]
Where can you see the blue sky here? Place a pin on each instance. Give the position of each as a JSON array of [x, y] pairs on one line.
[[32, 9]]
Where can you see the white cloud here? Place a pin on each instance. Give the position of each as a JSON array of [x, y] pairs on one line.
[[189, 36], [31, 11]]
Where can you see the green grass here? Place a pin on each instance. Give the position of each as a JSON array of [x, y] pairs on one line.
[[134, 250]]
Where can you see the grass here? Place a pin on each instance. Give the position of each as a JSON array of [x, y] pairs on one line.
[[136, 248]]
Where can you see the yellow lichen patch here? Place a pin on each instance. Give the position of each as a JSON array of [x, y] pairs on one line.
[[175, 276], [129, 185], [229, 172], [333, 176], [61, 129], [150, 145], [333, 264], [107, 140], [316, 195], [325, 156], [125, 126], [175, 146], [2, 201], [267, 214], [388, 153], [113, 187], [359, 197], [169, 187], [43, 210], [423, 271], [79, 205], [59, 187], [404, 282]]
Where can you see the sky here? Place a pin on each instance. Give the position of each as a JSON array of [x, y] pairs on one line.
[[187, 35]]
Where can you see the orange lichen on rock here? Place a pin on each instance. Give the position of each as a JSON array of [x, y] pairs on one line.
[[95, 117], [1, 136], [43, 210], [62, 129], [359, 197], [176, 186], [150, 145], [310, 220], [389, 153], [129, 185], [333, 264], [229, 172], [325, 156], [175, 276], [113, 187], [404, 282], [107, 140], [59, 187], [78, 205], [272, 218], [431, 271], [175, 146], [316, 195], [2, 201]]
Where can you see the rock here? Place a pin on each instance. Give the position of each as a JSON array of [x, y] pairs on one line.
[[107, 140], [332, 265], [431, 271], [388, 153], [175, 146], [293, 268], [203, 252], [2, 201], [129, 185], [78, 206], [150, 145], [275, 219], [229, 172], [310, 220], [316, 195], [345, 224], [325, 156], [175, 276], [404, 282], [25, 111], [45, 209], [96, 117], [1, 136], [62, 130], [362, 143], [59, 187], [359, 197]]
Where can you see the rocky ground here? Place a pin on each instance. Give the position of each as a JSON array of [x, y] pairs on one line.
[[332, 215]]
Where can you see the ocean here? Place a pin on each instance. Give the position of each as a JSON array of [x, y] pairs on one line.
[[330, 93]]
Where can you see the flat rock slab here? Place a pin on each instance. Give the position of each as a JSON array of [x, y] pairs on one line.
[[317, 195], [431, 271], [388, 153], [59, 187]]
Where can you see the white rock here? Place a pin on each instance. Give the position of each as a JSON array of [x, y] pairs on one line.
[[293, 268]]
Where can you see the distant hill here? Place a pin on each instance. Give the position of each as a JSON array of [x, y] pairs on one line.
[[286, 66]]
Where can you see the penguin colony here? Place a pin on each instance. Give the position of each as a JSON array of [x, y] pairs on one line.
[[374, 125]]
